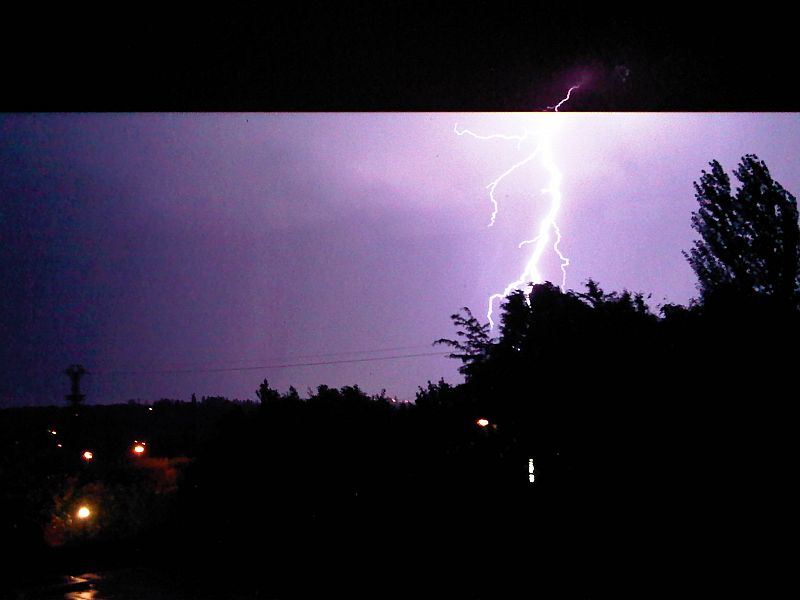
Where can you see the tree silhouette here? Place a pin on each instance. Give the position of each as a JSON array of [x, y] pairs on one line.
[[546, 337], [750, 243], [474, 349], [266, 394]]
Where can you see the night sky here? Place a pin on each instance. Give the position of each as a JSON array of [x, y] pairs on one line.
[[391, 56], [204, 243], [324, 210]]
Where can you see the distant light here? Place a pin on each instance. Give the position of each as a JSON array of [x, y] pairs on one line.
[[482, 422], [59, 446], [88, 455], [53, 431], [531, 476], [84, 512], [138, 448], [149, 408]]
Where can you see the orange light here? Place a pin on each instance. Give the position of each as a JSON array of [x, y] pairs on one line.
[[87, 455], [482, 422], [138, 448], [84, 512]]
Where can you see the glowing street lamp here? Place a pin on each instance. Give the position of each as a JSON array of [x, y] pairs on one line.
[[87, 456], [483, 422], [138, 448], [84, 513]]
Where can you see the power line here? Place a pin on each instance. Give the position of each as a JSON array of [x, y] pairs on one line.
[[277, 366], [294, 356], [177, 365]]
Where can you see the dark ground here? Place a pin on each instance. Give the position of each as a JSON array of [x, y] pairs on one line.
[[298, 502]]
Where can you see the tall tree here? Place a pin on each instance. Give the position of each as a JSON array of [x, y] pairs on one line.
[[750, 242]]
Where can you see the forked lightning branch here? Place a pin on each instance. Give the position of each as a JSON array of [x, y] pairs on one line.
[[546, 234]]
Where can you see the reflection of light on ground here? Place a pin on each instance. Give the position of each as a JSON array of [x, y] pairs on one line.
[[117, 584], [82, 587], [90, 594]]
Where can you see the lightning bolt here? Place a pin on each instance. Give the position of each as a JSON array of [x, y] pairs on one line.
[[543, 152], [564, 99]]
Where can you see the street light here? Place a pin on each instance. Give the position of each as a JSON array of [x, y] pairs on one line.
[[87, 456], [483, 422], [84, 512]]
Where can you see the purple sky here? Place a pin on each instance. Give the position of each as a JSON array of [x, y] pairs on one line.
[[202, 241]]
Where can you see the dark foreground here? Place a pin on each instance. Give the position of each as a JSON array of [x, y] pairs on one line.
[[347, 496]]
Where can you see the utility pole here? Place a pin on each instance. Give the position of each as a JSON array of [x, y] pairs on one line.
[[75, 372], [74, 433]]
